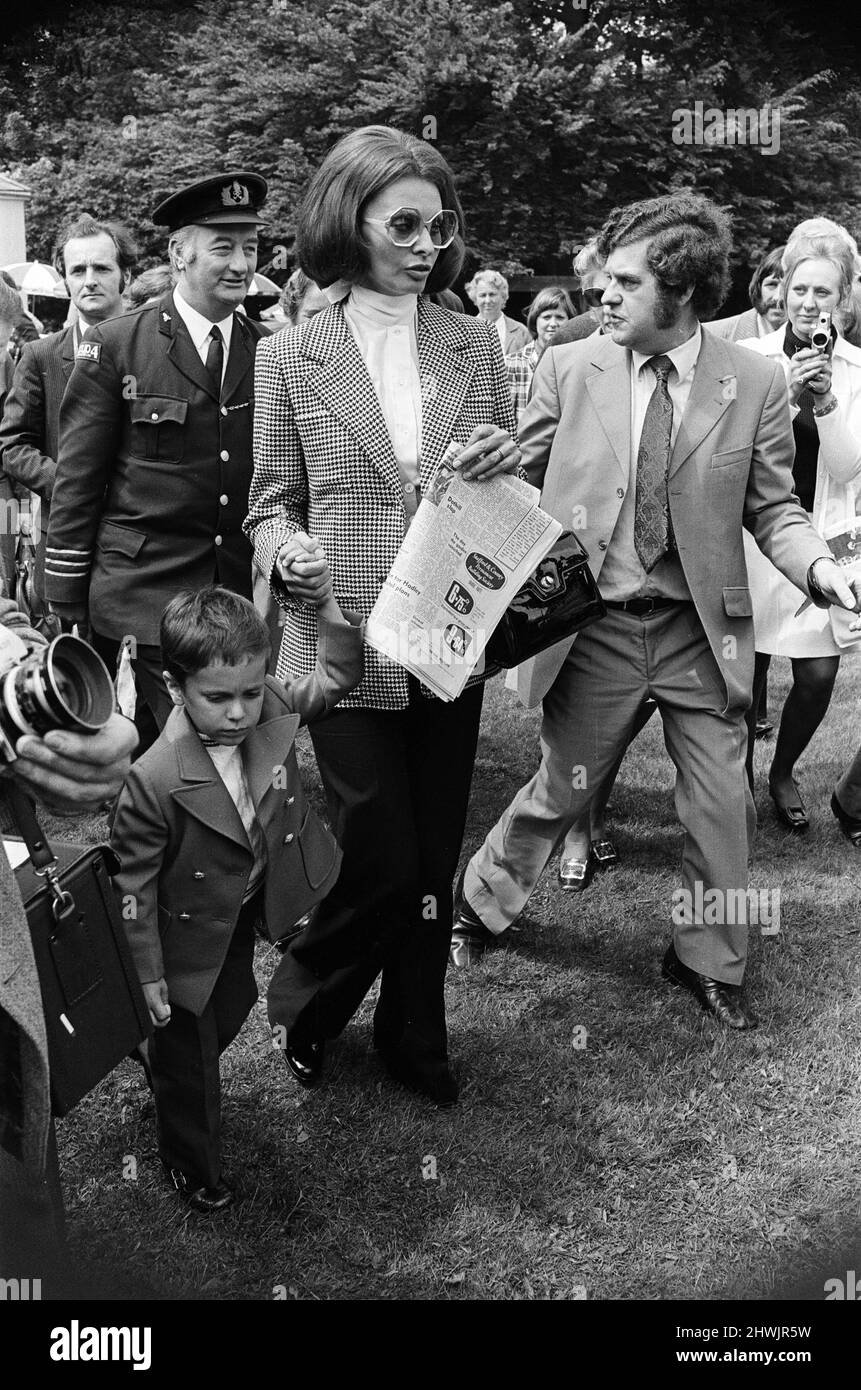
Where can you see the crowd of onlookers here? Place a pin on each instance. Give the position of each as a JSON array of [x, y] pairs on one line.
[[215, 504]]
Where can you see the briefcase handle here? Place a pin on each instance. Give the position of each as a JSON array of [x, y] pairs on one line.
[[42, 857]]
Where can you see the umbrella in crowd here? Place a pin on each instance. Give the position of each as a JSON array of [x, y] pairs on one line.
[[33, 277]]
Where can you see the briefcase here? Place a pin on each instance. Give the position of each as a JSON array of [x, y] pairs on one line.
[[558, 599], [95, 1012]]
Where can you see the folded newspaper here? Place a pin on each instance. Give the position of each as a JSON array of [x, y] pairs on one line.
[[470, 547], [844, 542]]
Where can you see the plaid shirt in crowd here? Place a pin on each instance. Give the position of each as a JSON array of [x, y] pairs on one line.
[[521, 369]]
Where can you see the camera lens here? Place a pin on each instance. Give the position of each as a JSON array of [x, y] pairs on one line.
[[63, 686]]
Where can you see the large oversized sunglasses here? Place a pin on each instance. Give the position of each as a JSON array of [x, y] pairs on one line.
[[404, 227]]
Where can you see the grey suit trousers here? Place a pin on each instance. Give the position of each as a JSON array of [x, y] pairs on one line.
[[589, 717]]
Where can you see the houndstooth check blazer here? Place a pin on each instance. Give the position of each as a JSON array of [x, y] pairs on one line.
[[324, 462]]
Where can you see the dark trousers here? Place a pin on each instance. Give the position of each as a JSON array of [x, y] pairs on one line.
[[153, 702], [184, 1060], [397, 784]]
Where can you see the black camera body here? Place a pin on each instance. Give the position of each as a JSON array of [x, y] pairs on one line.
[[65, 685]]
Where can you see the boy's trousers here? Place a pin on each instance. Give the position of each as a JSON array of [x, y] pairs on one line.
[[184, 1059]]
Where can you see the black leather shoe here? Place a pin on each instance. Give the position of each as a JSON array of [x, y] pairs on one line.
[[199, 1197], [305, 1060], [791, 814], [721, 1000], [575, 875], [604, 853], [763, 729], [470, 938], [431, 1079], [848, 824]]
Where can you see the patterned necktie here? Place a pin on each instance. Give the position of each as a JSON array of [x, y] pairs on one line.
[[215, 357], [651, 517]]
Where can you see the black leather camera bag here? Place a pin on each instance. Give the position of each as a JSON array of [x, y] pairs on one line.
[[95, 1012]]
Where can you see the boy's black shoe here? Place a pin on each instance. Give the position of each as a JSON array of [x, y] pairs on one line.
[[305, 1060], [199, 1197]]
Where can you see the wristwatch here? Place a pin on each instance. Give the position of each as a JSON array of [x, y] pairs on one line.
[[816, 594]]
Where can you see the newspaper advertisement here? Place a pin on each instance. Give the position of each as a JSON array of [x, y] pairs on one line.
[[470, 547], [844, 542]]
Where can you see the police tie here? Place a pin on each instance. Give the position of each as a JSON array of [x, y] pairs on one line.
[[215, 358], [651, 516]]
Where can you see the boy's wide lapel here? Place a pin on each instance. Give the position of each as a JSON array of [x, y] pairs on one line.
[[202, 793]]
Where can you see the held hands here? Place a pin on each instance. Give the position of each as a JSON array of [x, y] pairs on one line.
[[155, 994], [303, 566], [809, 368], [487, 452]]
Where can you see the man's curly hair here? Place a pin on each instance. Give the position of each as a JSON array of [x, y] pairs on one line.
[[689, 244]]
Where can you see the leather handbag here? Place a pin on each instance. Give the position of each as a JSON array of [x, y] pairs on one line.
[[95, 1012], [558, 599]]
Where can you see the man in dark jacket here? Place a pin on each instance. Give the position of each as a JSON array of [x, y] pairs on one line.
[[155, 439], [96, 260]]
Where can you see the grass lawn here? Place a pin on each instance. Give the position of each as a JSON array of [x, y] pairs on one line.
[[611, 1142]]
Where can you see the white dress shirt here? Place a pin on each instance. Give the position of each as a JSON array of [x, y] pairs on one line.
[[622, 575], [230, 767], [200, 329]]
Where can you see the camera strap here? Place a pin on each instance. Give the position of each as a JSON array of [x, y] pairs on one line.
[[42, 857]]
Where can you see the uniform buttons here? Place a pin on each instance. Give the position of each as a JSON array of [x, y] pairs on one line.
[[218, 540], [289, 801], [288, 839], [223, 499], [224, 410], [154, 415], [620, 492], [185, 917], [224, 456], [198, 873], [602, 545]]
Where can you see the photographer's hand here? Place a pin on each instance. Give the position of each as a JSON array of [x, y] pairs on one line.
[[76, 772], [808, 368]]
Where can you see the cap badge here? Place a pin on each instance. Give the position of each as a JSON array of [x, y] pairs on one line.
[[235, 195]]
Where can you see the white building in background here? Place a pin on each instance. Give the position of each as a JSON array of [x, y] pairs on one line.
[[13, 239]]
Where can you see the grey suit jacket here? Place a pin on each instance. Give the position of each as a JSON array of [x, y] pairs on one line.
[[736, 327], [731, 467]]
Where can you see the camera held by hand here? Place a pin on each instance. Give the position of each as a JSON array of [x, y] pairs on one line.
[[65, 685], [820, 338]]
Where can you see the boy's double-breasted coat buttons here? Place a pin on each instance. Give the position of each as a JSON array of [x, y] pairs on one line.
[[185, 917], [198, 873], [288, 839]]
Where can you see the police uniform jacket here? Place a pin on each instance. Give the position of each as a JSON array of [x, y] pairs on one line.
[[324, 461], [31, 416], [153, 472], [186, 858]]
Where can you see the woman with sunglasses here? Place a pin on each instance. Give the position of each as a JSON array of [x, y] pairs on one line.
[[353, 412]]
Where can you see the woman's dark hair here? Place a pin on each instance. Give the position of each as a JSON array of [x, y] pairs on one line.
[[689, 245], [209, 625], [329, 241], [551, 297], [772, 264]]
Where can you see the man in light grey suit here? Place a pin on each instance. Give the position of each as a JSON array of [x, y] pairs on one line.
[[659, 442]]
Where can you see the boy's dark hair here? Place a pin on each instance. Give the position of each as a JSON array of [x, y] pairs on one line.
[[689, 245], [329, 240], [202, 627]]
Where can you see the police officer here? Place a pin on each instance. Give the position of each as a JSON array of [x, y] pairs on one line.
[[155, 438]]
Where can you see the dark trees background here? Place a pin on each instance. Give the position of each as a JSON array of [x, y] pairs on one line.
[[550, 113]]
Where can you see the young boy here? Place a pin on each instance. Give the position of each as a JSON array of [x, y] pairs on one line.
[[213, 831]]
